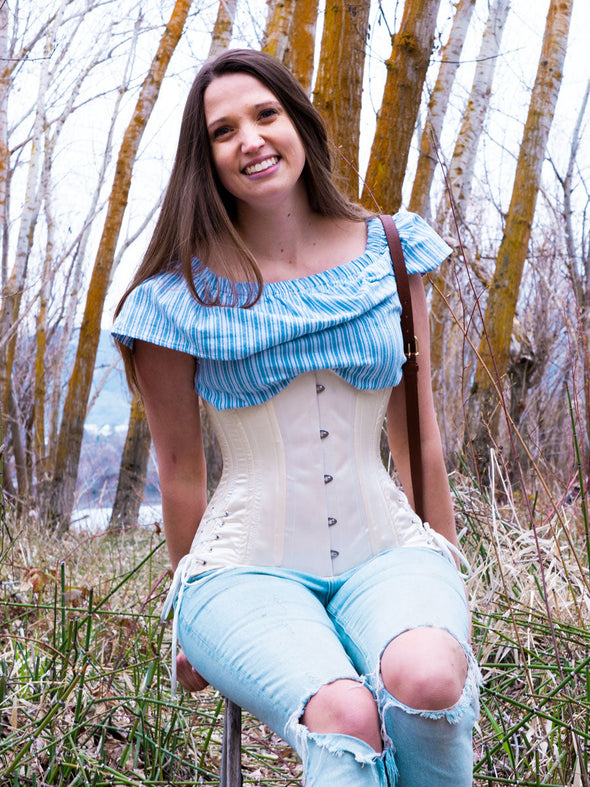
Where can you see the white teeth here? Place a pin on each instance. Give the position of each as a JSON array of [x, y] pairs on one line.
[[261, 166]]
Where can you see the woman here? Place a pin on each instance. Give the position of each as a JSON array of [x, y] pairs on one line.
[[307, 590]]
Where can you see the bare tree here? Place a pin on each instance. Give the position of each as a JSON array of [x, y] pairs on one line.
[[132, 474], [222, 32], [299, 56], [449, 354], [462, 164], [437, 108], [15, 284], [339, 84], [4, 151], [278, 23], [494, 348], [396, 120], [578, 265], [41, 295], [61, 500]]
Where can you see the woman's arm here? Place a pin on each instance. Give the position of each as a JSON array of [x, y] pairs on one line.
[[166, 382], [438, 507]]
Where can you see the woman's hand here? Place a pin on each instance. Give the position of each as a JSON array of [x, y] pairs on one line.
[[187, 675]]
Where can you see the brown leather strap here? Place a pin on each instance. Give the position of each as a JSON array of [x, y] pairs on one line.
[[410, 367]]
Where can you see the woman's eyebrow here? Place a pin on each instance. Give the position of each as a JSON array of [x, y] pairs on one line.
[[215, 122], [259, 105]]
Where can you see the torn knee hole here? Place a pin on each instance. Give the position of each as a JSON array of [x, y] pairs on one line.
[[346, 707], [425, 669]]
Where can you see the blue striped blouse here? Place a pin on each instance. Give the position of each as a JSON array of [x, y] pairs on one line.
[[346, 318]]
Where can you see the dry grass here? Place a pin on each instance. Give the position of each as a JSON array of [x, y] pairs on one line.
[[84, 681], [531, 610]]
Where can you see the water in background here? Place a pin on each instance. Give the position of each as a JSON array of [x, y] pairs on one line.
[[98, 518]]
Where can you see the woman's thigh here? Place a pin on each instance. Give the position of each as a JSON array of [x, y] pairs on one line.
[[264, 641], [397, 591]]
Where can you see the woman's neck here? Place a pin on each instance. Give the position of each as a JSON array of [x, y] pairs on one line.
[[296, 242], [279, 234]]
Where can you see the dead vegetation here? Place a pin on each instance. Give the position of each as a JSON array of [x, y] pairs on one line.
[[84, 661]]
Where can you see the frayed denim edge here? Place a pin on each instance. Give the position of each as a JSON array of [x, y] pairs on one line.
[[469, 695], [333, 742]]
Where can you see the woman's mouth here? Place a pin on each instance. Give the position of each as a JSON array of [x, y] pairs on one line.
[[261, 166]]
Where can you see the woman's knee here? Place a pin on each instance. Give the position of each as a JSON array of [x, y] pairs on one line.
[[425, 668], [346, 707]]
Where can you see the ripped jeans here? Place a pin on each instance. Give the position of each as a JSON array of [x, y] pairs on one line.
[[269, 639]]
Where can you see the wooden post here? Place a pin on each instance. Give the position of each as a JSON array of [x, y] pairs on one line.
[[231, 752]]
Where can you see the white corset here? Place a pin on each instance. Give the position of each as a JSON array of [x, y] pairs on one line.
[[303, 485]]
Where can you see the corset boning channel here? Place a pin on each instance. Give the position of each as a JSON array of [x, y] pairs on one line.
[[303, 485]]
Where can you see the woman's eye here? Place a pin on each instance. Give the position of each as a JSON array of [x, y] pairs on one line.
[[220, 132], [268, 113]]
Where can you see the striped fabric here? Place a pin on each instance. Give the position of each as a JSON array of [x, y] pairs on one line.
[[345, 318]]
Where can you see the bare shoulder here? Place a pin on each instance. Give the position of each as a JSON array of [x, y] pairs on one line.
[[341, 240]]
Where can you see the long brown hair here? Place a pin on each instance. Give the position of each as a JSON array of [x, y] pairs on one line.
[[197, 214]]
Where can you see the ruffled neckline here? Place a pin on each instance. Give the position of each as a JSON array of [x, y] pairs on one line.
[[329, 277]]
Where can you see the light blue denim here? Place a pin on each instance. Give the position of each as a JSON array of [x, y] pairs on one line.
[[269, 639]]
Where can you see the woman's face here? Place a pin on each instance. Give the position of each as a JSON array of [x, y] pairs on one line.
[[257, 152]]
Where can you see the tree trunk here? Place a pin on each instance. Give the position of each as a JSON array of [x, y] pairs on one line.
[[14, 286], [13, 418], [299, 56], [339, 86], [278, 24], [460, 174], [579, 271], [72, 428], [4, 177], [132, 475], [494, 348], [396, 121], [4, 149], [437, 109], [445, 335], [73, 297], [224, 25]]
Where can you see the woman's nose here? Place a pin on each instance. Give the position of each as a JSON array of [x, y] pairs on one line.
[[251, 139]]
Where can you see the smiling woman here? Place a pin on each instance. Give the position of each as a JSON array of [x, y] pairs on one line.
[[199, 214], [257, 152], [307, 589]]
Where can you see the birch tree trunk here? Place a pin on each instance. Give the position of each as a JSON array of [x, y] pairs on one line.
[[448, 346], [437, 109], [72, 302], [339, 86], [61, 499], [299, 56], [40, 389], [278, 24], [14, 287], [4, 175], [4, 150], [494, 347], [224, 25], [396, 120], [578, 264], [461, 167]]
